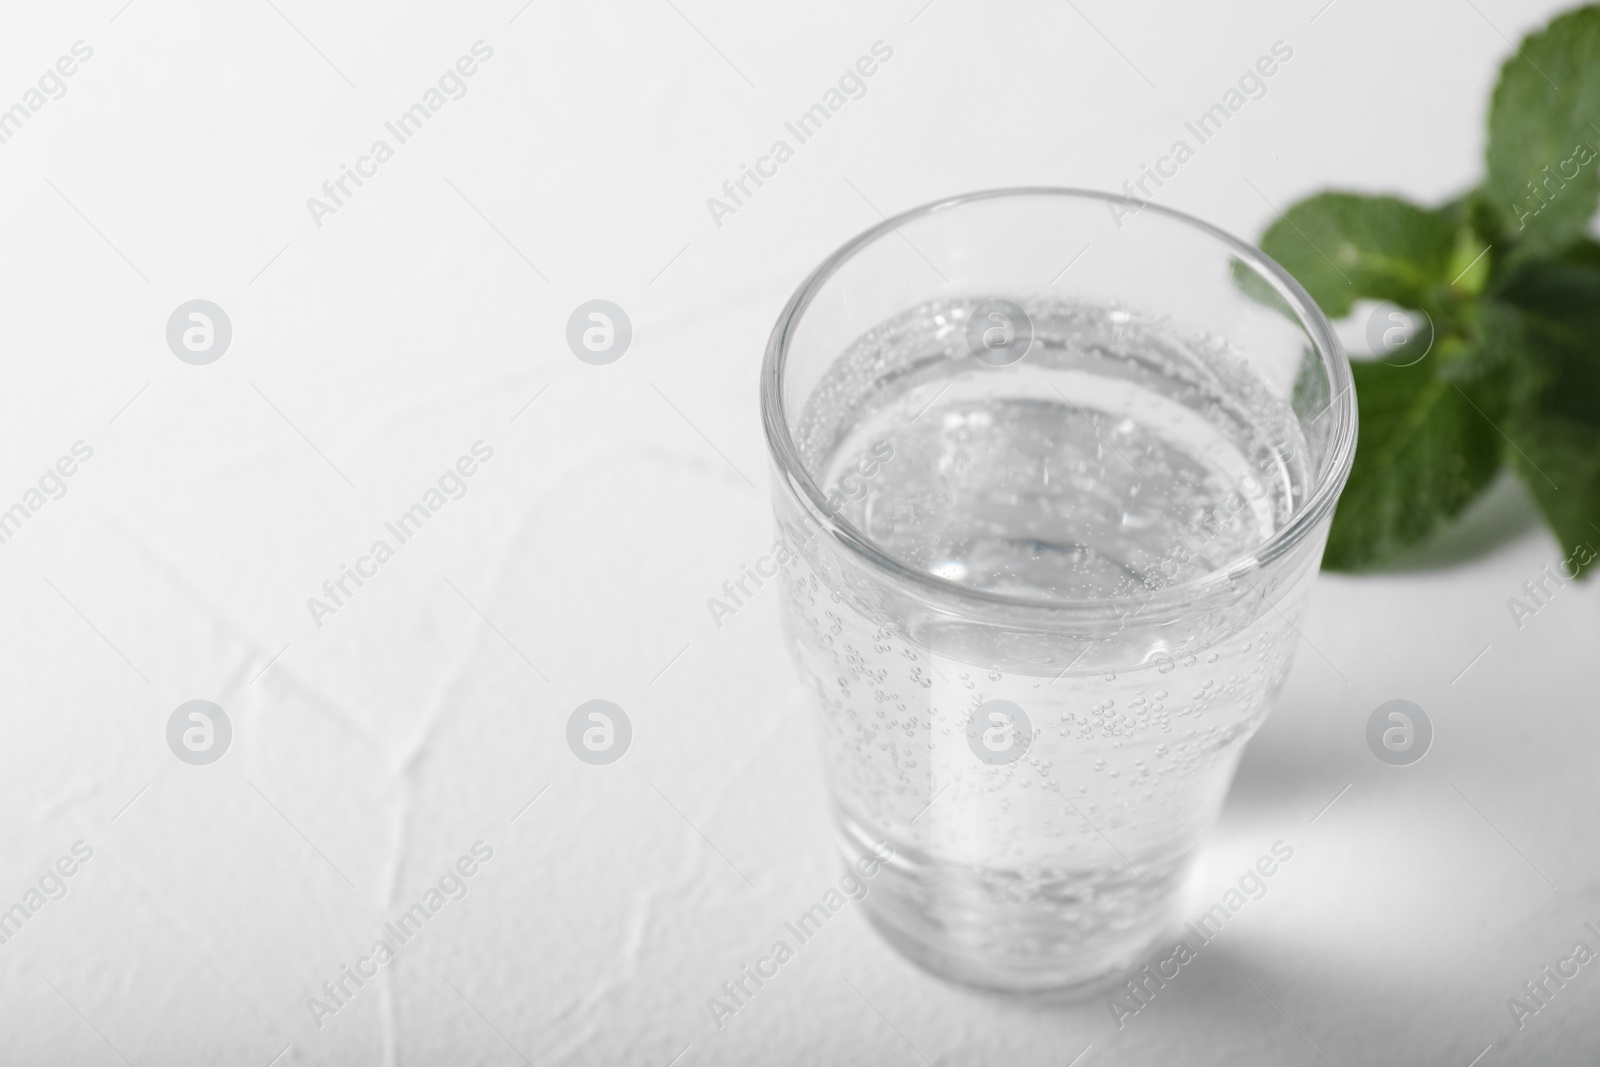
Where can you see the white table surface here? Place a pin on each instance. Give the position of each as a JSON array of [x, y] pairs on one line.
[[372, 351]]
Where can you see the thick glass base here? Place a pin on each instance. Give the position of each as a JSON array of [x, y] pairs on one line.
[[1067, 933]]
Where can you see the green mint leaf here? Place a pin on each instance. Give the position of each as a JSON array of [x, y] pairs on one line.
[[1559, 461], [1343, 247], [1425, 450], [1544, 124], [1470, 264], [1544, 317], [1545, 320]]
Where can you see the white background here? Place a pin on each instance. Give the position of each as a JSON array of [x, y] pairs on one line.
[[369, 353]]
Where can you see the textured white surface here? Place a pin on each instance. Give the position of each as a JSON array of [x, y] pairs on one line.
[[378, 748]]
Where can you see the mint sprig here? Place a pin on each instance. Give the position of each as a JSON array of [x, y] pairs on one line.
[[1510, 282]]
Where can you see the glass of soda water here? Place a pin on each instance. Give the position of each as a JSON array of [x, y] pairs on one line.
[[1054, 471]]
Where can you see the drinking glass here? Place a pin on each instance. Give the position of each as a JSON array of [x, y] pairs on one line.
[[1053, 473]]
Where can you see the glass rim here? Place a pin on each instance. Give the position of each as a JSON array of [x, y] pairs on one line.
[[1327, 486]]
